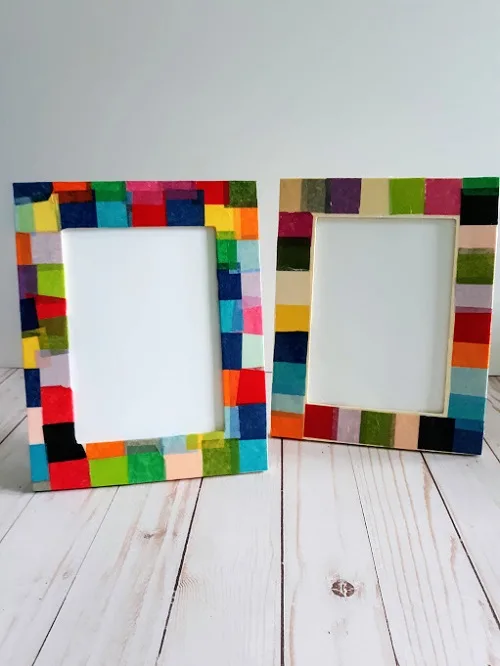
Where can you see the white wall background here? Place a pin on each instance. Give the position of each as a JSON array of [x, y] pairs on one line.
[[250, 89]]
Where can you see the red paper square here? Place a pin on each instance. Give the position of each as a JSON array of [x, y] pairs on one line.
[[251, 387], [472, 327], [321, 422], [148, 215], [70, 474], [216, 191], [57, 405], [442, 196], [48, 307]]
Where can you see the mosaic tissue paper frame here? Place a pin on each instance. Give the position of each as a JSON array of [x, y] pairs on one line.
[[42, 211], [473, 202]]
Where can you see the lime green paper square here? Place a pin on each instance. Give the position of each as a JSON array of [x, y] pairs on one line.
[[406, 196], [51, 280], [108, 471]]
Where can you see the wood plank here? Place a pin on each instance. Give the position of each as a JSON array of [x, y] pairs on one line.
[[470, 487], [12, 403], [325, 541], [39, 560], [436, 608], [15, 481], [492, 425], [227, 607], [115, 612], [5, 372]]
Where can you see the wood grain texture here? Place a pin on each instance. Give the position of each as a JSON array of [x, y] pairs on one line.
[[227, 607], [39, 560], [5, 372], [12, 402], [333, 608], [470, 487], [492, 425], [15, 481], [436, 608], [124, 589]]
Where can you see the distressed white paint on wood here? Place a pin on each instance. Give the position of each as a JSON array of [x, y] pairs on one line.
[[326, 541], [492, 426], [123, 591], [470, 487], [227, 607], [39, 560], [15, 482], [437, 611], [12, 403]]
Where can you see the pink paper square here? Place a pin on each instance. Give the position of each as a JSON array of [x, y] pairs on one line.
[[252, 320], [35, 430]]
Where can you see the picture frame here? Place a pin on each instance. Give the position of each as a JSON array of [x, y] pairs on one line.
[[473, 203], [43, 210]]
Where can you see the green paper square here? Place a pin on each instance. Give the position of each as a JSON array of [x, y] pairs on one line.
[[113, 190], [377, 428], [294, 254], [406, 196], [25, 220], [242, 194], [227, 253], [475, 267], [224, 460], [192, 442], [51, 280], [145, 467], [480, 186], [108, 471], [56, 330], [225, 235], [313, 195]]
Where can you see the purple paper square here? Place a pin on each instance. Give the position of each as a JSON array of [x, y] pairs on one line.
[[343, 195], [28, 282]]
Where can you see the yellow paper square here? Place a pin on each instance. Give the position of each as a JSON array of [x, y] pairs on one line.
[[219, 217], [292, 318], [30, 347], [46, 215]]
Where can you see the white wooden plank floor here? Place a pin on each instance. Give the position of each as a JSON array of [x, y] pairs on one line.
[[337, 555]]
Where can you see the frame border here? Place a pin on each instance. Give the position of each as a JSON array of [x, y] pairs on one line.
[[474, 202], [42, 211]]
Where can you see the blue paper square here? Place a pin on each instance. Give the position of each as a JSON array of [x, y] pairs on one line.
[[253, 455], [253, 421], [38, 462], [112, 214], [231, 316]]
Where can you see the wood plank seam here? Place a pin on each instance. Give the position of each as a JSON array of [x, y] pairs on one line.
[[6, 373], [373, 560], [179, 572], [455, 527], [7, 434], [74, 578]]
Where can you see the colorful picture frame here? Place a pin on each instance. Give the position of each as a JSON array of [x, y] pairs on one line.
[[43, 210], [473, 202]]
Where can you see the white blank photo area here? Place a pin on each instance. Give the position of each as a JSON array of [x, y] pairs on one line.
[[144, 333], [380, 313]]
